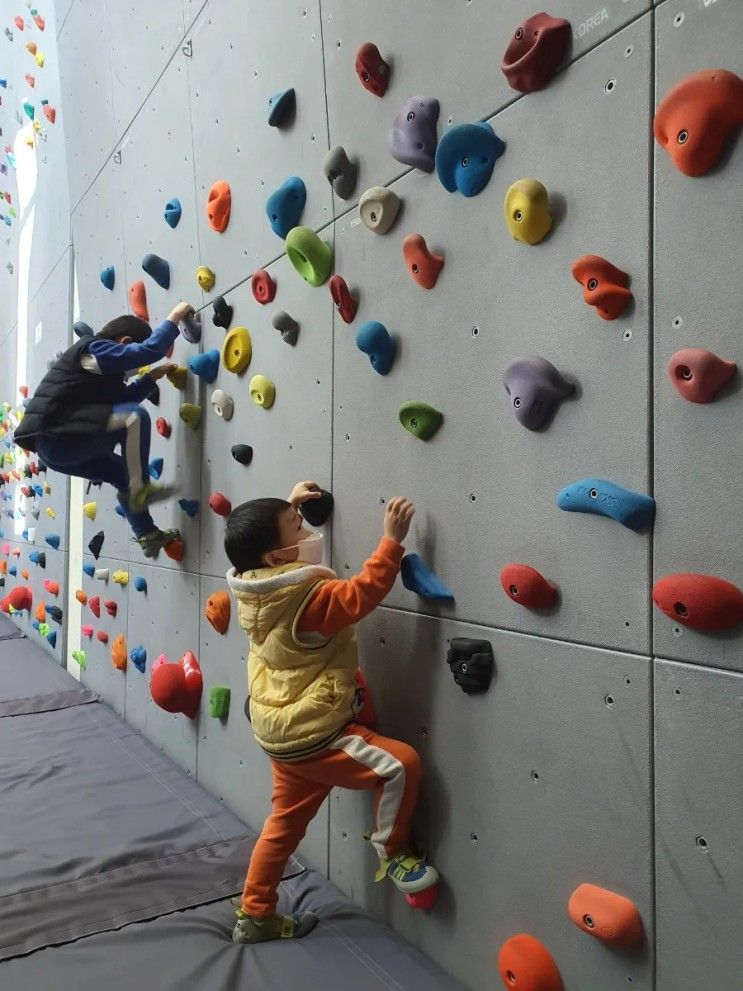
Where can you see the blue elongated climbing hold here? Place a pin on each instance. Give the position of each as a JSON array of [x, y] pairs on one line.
[[189, 506], [82, 329], [374, 339], [89, 570], [281, 108], [158, 269], [38, 489], [139, 658], [156, 467], [140, 584], [119, 511], [601, 498], [419, 578], [12, 570], [466, 156], [205, 365], [108, 276], [284, 206], [54, 540], [51, 638], [24, 535], [172, 212]]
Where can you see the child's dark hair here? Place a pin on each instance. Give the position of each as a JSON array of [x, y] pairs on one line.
[[253, 530], [126, 326]]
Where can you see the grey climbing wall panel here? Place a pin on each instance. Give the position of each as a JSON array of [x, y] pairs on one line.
[[698, 302]]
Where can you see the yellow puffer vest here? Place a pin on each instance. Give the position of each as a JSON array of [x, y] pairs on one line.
[[301, 689]]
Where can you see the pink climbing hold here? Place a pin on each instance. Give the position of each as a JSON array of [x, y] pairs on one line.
[[87, 631]]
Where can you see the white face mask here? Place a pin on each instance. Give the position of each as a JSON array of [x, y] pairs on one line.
[[309, 550]]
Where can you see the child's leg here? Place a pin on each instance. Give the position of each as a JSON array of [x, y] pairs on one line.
[[131, 425]]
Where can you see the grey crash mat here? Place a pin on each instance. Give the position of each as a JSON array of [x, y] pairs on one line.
[[30, 681], [191, 950], [8, 629]]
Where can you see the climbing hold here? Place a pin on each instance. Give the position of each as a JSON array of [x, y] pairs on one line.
[[89, 570], [423, 266], [102, 636], [81, 597], [51, 586], [217, 610], [317, 511], [158, 269], [87, 631], [190, 328], [287, 326], [49, 112], [601, 498], [472, 664], [417, 577], [89, 509], [177, 687], [697, 116], [424, 900], [119, 510], [535, 52], [606, 916], [526, 964], [96, 543], [140, 584], [536, 389], [82, 329], [189, 506], [702, 602], [420, 420], [237, 350], [242, 453], [39, 59], [19, 23], [108, 277], [378, 208], [285, 205], [30, 80], [79, 656], [178, 376], [344, 301], [51, 637], [156, 467], [101, 574], [281, 108], [262, 391], [222, 404], [24, 574], [698, 375], [120, 577], [206, 365], [466, 157], [163, 427], [372, 70], [175, 550], [190, 413], [37, 557], [205, 277], [138, 657], [374, 339], [527, 211], [262, 286], [219, 701], [412, 137], [222, 313], [172, 212], [340, 172], [111, 607], [311, 257], [525, 586], [218, 206], [138, 300], [54, 540], [39, 21], [220, 504], [604, 285], [40, 611], [118, 653], [28, 109]]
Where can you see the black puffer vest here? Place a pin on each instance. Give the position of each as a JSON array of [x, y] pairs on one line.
[[69, 400]]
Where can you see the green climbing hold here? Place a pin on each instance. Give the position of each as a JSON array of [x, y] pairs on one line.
[[262, 391], [219, 701], [44, 629], [79, 656], [190, 413], [310, 256], [420, 420]]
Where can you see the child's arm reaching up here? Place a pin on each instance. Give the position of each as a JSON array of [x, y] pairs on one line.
[[343, 602], [115, 358]]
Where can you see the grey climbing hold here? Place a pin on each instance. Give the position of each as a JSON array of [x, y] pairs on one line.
[[222, 404], [82, 329], [536, 389], [378, 208], [287, 326], [158, 269], [108, 276], [340, 172], [412, 137]]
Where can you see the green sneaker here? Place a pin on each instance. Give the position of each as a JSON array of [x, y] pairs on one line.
[[149, 494], [408, 872], [249, 929], [153, 543]]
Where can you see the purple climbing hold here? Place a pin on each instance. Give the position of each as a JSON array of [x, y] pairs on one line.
[[536, 389], [412, 138], [190, 328]]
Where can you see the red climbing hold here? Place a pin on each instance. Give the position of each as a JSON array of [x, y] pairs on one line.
[[30, 80], [175, 550], [372, 70], [177, 687], [698, 375], [605, 915], [342, 298], [220, 504], [527, 965], [19, 23], [20, 598], [423, 265], [219, 206], [263, 286], [138, 300], [102, 636], [39, 21], [95, 606], [425, 899], [111, 607], [702, 602], [23, 389], [604, 285], [163, 427], [524, 585], [535, 52]]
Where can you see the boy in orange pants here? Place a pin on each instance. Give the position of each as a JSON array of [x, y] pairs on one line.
[[304, 698]]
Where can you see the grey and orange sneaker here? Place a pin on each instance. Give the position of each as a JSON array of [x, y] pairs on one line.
[[249, 929]]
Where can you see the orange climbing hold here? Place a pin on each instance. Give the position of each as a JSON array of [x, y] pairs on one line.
[[175, 550], [138, 300], [217, 610], [40, 613], [81, 597], [51, 586], [606, 916], [219, 206], [604, 285], [31, 47], [525, 964], [118, 652], [24, 575], [423, 265]]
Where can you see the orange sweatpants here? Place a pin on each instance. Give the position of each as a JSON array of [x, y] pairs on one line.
[[359, 759]]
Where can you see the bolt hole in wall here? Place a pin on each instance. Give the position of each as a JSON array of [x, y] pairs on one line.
[[702, 844]]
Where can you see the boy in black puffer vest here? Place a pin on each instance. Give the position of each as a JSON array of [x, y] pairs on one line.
[[83, 409]]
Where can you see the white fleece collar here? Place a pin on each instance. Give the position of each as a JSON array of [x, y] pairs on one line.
[[284, 579]]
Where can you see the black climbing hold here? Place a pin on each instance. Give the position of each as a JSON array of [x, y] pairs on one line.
[[154, 396], [82, 329], [472, 664], [282, 108], [96, 543], [317, 511], [55, 613], [242, 453], [222, 313], [158, 269]]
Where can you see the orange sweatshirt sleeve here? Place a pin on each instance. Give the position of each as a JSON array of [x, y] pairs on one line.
[[344, 601]]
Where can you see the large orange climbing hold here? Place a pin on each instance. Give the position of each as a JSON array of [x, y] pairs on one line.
[[40, 613], [217, 610], [604, 285], [118, 652], [219, 205], [423, 265], [702, 602], [606, 916], [697, 116], [138, 300], [525, 964]]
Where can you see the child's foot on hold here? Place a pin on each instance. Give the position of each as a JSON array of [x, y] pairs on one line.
[[149, 494], [249, 929], [153, 543], [408, 872]]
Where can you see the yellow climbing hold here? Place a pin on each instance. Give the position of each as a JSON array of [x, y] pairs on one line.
[[190, 413], [262, 391], [50, 513], [39, 60], [178, 376], [79, 656], [36, 127], [237, 350], [205, 277], [47, 488], [29, 140], [121, 577], [527, 211], [90, 509]]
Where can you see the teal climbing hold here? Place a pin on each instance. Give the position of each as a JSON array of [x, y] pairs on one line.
[[466, 156], [89, 570], [189, 506], [374, 339], [119, 510], [172, 212], [311, 257], [138, 658], [205, 365], [156, 467], [285, 205], [158, 269], [108, 277], [28, 109], [140, 584], [54, 540], [601, 498], [281, 108], [419, 578]]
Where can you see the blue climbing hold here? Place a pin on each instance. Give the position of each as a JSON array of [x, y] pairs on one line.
[[38, 489], [35, 624], [284, 206], [38, 557], [24, 535], [139, 658], [12, 570], [140, 584], [4, 83], [601, 498], [108, 276], [374, 339], [51, 638], [119, 510], [281, 108], [205, 365], [54, 540], [466, 156], [156, 467], [158, 269], [172, 212], [416, 577], [89, 570], [82, 329], [189, 506]]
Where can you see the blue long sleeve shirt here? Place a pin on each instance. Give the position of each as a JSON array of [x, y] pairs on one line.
[[112, 358]]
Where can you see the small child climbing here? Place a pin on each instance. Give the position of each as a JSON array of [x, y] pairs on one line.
[[305, 703], [83, 409]]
